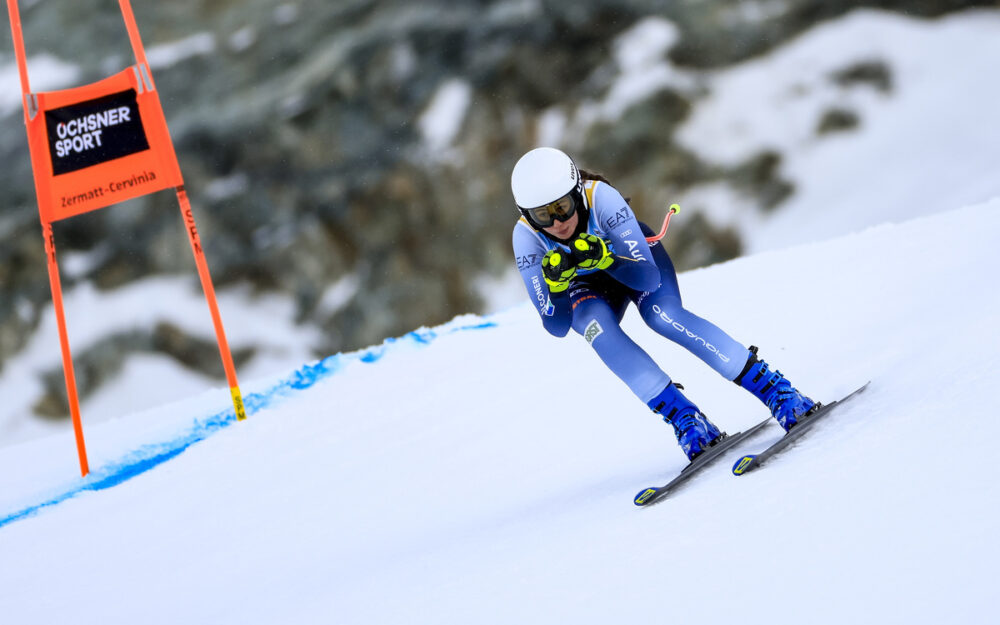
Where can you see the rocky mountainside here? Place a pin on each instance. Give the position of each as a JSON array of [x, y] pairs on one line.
[[374, 140]]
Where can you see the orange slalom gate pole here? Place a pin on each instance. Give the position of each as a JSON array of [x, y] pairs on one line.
[[213, 306], [57, 302], [22, 63], [133, 32], [50, 253], [192, 231]]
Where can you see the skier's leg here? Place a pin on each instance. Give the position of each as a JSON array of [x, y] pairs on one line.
[[598, 321], [663, 311]]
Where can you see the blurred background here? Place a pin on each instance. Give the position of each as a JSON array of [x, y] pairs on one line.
[[349, 161]]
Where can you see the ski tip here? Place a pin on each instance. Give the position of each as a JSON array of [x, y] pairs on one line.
[[644, 496], [743, 465]]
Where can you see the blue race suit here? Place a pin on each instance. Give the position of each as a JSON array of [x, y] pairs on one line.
[[595, 301]]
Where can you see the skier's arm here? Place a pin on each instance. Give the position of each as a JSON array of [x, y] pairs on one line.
[[634, 265], [554, 308]]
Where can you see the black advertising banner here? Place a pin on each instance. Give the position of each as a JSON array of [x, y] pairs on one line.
[[95, 131]]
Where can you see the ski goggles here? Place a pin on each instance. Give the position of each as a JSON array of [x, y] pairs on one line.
[[547, 214]]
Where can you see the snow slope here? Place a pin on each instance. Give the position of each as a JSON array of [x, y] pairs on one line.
[[450, 476]]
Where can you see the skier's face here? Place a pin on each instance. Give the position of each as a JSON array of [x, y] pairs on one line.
[[563, 229]]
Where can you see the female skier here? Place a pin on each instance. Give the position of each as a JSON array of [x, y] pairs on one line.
[[583, 256]]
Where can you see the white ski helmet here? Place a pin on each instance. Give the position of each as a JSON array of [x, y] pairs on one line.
[[540, 180]]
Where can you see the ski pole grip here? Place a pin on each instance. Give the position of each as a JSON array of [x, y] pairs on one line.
[[674, 208]]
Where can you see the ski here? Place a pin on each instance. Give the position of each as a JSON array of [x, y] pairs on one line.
[[748, 463], [649, 496]]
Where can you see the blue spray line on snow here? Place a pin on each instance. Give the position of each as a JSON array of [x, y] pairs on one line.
[[149, 456]]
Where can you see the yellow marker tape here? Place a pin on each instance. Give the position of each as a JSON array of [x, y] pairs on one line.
[[241, 413]]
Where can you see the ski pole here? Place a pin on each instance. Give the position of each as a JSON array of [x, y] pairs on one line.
[[674, 208]]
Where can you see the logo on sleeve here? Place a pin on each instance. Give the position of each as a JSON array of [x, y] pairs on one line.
[[545, 305], [593, 331], [618, 218], [633, 249], [528, 260]]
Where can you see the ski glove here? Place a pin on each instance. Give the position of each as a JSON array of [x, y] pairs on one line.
[[591, 252], [558, 269]]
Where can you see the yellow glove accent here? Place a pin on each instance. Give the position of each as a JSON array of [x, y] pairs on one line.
[[591, 252], [558, 269]]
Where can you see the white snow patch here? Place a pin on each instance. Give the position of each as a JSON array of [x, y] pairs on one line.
[[285, 13], [640, 53], [645, 44], [165, 55], [229, 186], [75, 264], [243, 38], [145, 381], [442, 119], [552, 125], [500, 293], [338, 295], [723, 206]]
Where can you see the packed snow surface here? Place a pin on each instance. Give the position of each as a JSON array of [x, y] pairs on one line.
[[483, 471]]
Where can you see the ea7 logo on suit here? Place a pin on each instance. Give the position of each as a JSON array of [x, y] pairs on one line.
[[528, 260], [618, 218]]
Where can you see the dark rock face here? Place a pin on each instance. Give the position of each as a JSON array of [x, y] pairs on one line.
[[297, 126], [874, 73], [837, 120]]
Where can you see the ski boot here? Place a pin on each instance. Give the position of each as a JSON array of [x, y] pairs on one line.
[[787, 405], [694, 432]]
